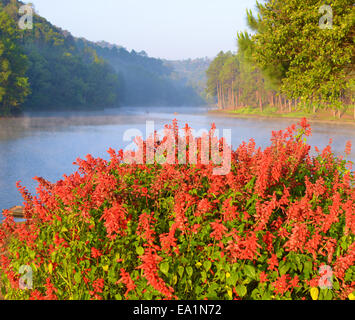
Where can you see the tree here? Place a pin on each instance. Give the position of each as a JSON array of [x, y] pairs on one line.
[[14, 86], [314, 64]]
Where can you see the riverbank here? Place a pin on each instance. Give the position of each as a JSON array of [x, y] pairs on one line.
[[322, 116]]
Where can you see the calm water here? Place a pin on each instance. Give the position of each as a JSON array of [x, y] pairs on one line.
[[46, 145]]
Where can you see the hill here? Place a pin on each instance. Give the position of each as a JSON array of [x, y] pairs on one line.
[[65, 72]]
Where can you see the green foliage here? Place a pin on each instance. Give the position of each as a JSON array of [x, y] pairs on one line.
[[65, 72], [311, 63], [14, 85], [191, 72], [151, 81], [289, 60], [118, 231], [60, 74]]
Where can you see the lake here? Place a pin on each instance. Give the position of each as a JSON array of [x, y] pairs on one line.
[[47, 144]]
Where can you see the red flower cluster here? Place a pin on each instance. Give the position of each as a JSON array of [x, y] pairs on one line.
[[115, 230]]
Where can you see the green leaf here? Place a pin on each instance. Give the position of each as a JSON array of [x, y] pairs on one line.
[[189, 271], [325, 294], [181, 271], [241, 290], [140, 251], [232, 280], [255, 295], [198, 290], [212, 291], [266, 295], [250, 271], [307, 267], [77, 277], [336, 285], [207, 265], [284, 268], [164, 268], [50, 268]]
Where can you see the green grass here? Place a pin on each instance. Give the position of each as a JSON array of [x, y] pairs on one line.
[[268, 111], [299, 113]]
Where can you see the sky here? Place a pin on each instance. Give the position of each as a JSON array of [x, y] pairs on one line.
[[168, 29]]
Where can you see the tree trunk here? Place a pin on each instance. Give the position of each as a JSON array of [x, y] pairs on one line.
[[272, 100], [220, 100], [231, 104], [232, 97], [218, 96], [236, 100], [223, 98]]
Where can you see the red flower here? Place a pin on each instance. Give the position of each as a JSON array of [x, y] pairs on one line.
[[218, 230], [127, 280], [168, 240], [298, 238], [281, 284], [305, 126], [348, 148], [150, 271], [263, 277], [50, 290], [115, 220], [95, 253], [195, 228], [268, 238], [204, 206], [273, 262], [98, 285], [294, 282], [144, 227]]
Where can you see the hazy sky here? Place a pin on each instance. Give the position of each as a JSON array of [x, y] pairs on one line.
[[172, 29]]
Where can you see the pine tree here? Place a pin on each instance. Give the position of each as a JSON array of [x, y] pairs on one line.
[[311, 62]]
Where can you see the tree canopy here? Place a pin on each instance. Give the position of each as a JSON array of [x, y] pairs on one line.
[[299, 54], [51, 69], [315, 63], [14, 86]]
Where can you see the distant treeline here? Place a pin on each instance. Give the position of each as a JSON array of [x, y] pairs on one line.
[[47, 68], [147, 80], [294, 59]]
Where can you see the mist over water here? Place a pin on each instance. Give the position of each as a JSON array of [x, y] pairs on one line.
[[46, 144]]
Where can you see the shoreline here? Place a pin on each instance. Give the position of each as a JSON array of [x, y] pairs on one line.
[[230, 114]]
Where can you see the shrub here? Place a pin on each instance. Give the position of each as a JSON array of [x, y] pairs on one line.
[[277, 226]]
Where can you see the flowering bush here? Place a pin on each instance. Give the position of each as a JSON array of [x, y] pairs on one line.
[[280, 225]]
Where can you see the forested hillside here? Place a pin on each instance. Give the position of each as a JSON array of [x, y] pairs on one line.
[[294, 59], [147, 80], [47, 68], [61, 75], [191, 72]]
